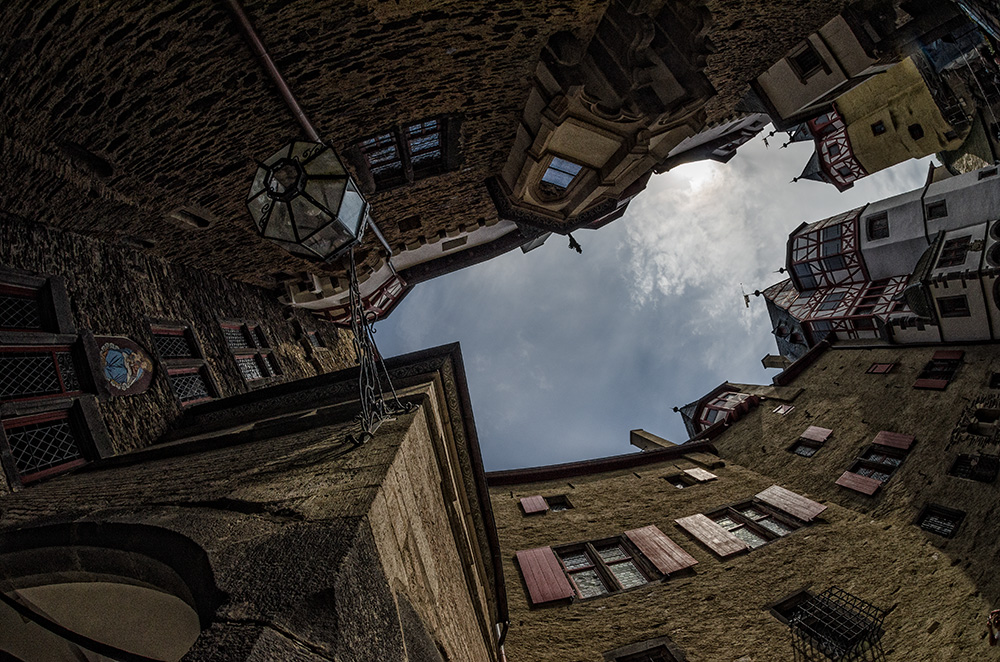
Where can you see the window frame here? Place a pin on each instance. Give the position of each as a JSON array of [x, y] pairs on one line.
[[954, 252], [601, 567], [956, 518], [405, 141], [258, 350], [176, 366], [803, 72], [966, 467], [732, 511], [554, 190], [954, 306], [937, 209], [877, 226]]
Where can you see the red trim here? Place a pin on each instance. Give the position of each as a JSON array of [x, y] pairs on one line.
[[18, 291], [164, 331], [183, 371], [933, 384], [948, 355], [45, 473], [10, 423], [34, 349]]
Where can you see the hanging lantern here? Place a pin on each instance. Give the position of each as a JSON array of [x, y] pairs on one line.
[[303, 200]]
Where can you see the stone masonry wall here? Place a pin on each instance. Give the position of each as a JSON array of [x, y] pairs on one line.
[[114, 290], [716, 613], [837, 394]]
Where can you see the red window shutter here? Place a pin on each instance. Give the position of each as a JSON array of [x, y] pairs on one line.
[[794, 504], [712, 535], [534, 504], [700, 474], [814, 433], [935, 384], [894, 440], [862, 484], [948, 355], [663, 552], [544, 576]]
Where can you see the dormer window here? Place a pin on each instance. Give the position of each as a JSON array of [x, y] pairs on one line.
[[558, 176]]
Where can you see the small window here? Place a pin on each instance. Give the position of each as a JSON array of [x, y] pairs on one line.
[[454, 243], [954, 306], [558, 503], [878, 128], [181, 356], [937, 209], [788, 608], [559, 176], [20, 309], [880, 368], [602, 567], [753, 523], [31, 372], [678, 481], [805, 61], [805, 448], [940, 520], [878, 226], [954, 252], [916, 131], [251, 350], [405, 154], [982, 468], [938, 372], [658, 654], [989, 172]]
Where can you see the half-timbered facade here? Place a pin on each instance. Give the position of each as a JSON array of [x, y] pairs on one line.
[[919, 267]]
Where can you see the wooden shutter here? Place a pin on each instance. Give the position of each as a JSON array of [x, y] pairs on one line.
[[862, 484], [544, 576], [814, 433], [794, 504], [663, 552], [935, 384], [948, 355], [700, 475], [894, 440], [716, 538], [534, 504]]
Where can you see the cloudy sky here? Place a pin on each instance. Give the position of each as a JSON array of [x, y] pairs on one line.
[[566, 353]]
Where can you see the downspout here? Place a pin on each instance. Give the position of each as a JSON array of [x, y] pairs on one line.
[[257, 46]]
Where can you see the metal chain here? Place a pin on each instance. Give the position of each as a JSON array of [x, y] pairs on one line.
[[375, 408]]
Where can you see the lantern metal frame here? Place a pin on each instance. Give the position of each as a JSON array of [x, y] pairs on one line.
[[303, 199]]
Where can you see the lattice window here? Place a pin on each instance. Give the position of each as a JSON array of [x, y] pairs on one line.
[[19, 310], [954, 252], [254, 358], [36, 372], [190, 387], [40, 445], [604, 566], [836, 625], [982, 468], [753, 523], [181, 356]]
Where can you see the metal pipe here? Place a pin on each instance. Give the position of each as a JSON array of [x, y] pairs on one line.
[[253, 40], [378, 233]]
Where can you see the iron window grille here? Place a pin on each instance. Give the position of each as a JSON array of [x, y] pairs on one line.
[[33, 372], [251, 350], [405, 154], [43, 445], [753, 523], [604, 566], [957, 306], [181, 356], [836, 625], [940, 520], [982, 468]]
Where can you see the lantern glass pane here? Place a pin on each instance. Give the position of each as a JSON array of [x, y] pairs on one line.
[[324, 163], [280, 225], [258, 182], [327, 192], [351, 209], [280, 154], [307, 217], [328, 240]]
